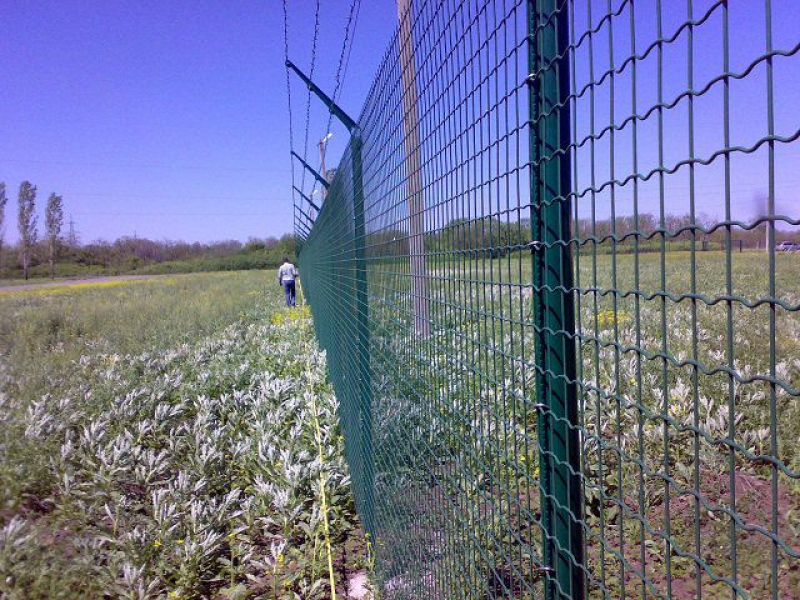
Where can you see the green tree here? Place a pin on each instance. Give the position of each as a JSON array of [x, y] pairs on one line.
[[26, 222], [3, 202], [53, 222]]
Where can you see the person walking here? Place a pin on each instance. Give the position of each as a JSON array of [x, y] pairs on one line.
[[287, 273]]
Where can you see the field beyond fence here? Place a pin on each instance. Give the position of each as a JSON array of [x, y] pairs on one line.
[[566, 349]]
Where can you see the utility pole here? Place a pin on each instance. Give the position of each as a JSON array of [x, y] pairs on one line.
[[323, 144], [415, 200], [771, 223], [72, 239]]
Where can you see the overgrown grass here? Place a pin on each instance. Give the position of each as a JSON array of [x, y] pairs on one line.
[[44, 329], [680, 470], [63, 270], [244, 260], [72, 288], [168, 439]]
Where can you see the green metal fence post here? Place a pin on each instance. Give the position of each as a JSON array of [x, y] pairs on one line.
[[554, 309]]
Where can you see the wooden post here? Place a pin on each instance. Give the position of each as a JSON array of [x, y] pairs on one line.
[[415, 200]]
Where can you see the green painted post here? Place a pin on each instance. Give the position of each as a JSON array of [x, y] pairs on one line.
[[554, 309]]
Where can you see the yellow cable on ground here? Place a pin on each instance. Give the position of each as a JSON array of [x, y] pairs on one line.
[[318, 435]]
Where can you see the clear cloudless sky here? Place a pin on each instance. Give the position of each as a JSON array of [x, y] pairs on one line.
[[169, 119]]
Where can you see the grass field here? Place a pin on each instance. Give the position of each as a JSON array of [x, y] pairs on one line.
[[242, 260], [168, 438], [159, 439], [691, 458]]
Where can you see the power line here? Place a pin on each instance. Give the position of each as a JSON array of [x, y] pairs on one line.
[[344, 61], [175, 214], [134, 165], [289, 96], [171, 197], [341, 69], [308, 97]]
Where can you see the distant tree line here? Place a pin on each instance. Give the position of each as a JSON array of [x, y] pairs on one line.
[[60, 253], [494, 237]]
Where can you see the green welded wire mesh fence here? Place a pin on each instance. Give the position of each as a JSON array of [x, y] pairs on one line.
[[558, 316]]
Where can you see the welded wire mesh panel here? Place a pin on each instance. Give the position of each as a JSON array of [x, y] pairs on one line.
[[683, 142], [556, 281]]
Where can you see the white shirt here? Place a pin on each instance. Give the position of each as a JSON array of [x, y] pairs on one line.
[[286, 273]]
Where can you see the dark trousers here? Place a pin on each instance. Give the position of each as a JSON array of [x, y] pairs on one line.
[[288, 288]]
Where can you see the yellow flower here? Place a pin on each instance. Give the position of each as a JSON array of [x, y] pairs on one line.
[[157, 544], [181, 541], [68, 289], [606, 318]]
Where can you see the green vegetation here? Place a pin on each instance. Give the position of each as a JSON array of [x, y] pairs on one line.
[[129, 256], [3, 203], [244, 260], [168, 438], [53, 222], [59, 254], [664, 444], [159, 436], [26, 223], [493, 237]]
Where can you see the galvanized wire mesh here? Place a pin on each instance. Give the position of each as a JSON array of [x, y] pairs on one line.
[[566, 347]]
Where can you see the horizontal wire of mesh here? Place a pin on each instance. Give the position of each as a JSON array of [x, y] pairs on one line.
[[555, 282]]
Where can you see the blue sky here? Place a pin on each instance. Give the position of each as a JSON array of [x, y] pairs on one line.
[[169, 119], [166, 119]]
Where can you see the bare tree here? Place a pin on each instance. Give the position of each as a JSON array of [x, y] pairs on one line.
[[53, 222], [27, 224], [3, 202]]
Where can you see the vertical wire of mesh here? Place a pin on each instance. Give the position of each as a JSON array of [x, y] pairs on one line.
[[604, 398]]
